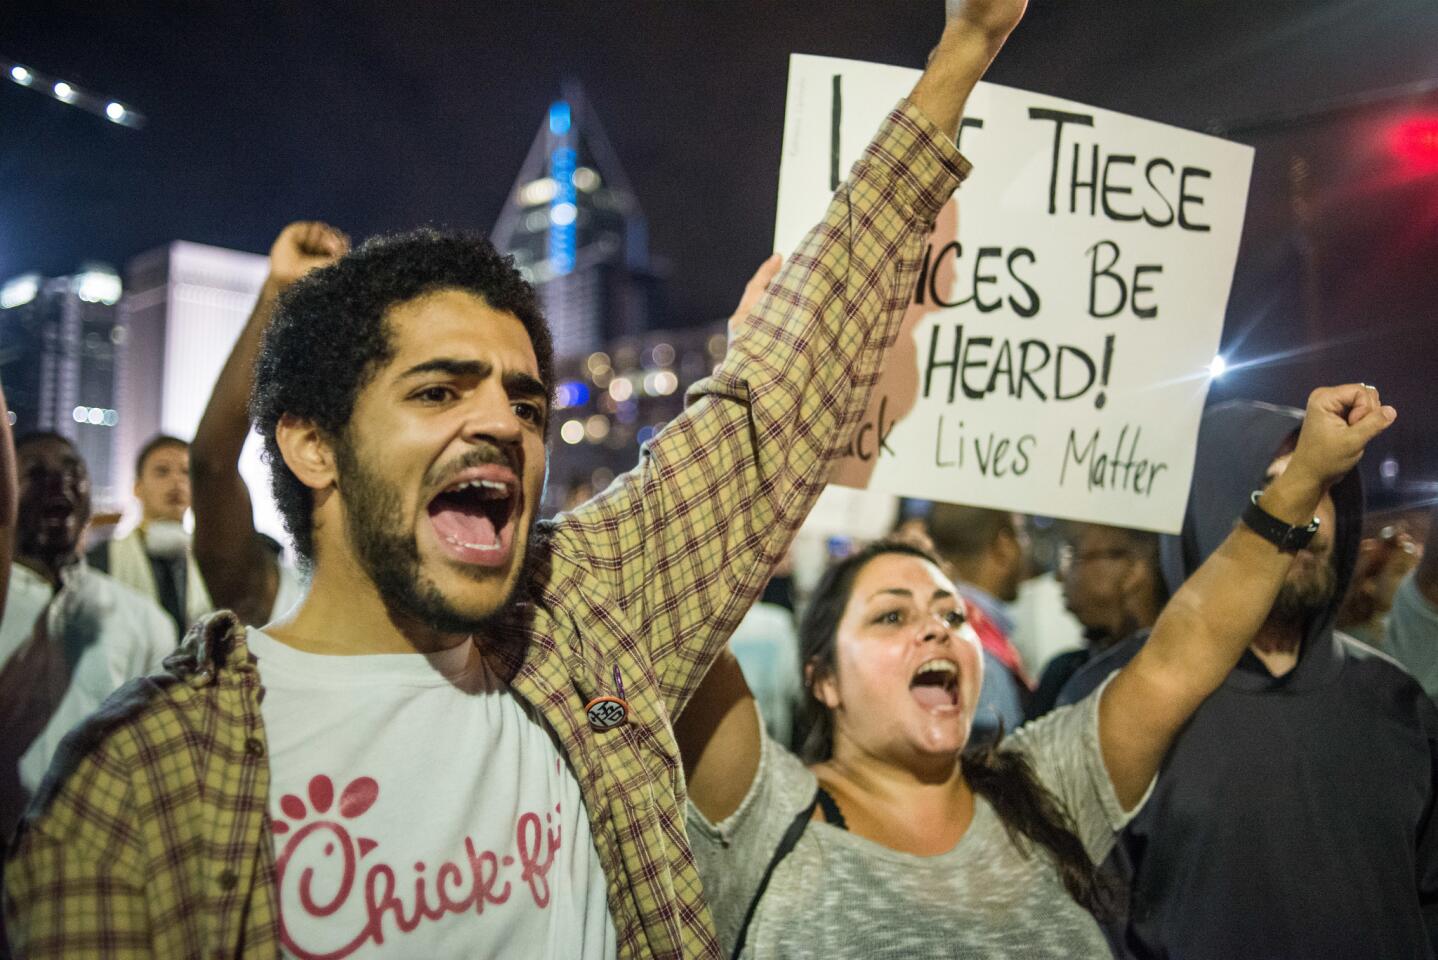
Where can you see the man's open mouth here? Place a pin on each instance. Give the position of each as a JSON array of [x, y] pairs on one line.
[[56, 511], [474, 516], [935, 685]]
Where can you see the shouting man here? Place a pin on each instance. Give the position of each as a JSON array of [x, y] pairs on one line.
[[70, 635], [464, 743]]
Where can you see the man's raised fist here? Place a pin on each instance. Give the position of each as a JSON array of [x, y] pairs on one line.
[[303, 246], [1338, 424]]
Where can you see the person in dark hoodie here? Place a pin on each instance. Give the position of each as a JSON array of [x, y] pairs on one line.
[[1294, 815]]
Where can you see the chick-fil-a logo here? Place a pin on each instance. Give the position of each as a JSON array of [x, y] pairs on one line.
[[319, 870]]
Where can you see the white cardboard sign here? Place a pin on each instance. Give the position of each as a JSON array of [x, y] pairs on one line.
[[1055, 356]]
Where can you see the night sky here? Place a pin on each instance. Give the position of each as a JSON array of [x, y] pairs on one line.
[[379, 116]]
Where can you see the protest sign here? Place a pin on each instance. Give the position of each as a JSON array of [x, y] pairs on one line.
[[1055, 357]]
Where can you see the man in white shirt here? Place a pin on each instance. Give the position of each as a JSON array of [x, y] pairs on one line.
[[402, 393], [155, 557], [70, 636], [473, 840]]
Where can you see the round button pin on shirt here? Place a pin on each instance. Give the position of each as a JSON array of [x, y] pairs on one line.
[[606, 713]]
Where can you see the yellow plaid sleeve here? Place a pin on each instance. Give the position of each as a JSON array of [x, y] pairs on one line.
[[74, 884], [685, 542]]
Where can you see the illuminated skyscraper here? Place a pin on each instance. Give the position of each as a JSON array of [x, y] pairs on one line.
[[61, 354], [185, 305], [577, 232]]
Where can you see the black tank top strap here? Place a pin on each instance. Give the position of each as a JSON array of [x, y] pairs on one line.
[[832, 814]]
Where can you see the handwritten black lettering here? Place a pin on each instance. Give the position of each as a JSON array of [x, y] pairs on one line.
[[1077, 183], [965, 124], [1120, 471], [981, 278], [994, 455], [1109, 188], [1184, 198], [1090, 373], [1149, 310], [1026, 372], [1109, 250], [872, 438], [1031, 307], [970, 362], [981, 366], [1059, 118], [1148, 170], [1113, 281], [1101, 184], [970, 286]]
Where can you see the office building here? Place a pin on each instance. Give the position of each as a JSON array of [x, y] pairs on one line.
[[62, 350]]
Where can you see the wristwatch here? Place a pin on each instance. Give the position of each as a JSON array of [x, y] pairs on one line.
[[1275, 531]]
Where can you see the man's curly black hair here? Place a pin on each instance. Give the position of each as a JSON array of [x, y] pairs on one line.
[[328, 338]]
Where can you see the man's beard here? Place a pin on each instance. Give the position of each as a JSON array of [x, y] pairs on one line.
[[1306, 595], [389, 555]]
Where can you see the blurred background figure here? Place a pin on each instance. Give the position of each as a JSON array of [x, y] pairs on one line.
[[7, 499], [766, 644], [7, 534], [578, 492], [1383, 561], [1113, 585], [1411, 630], [155, 557], [1043, 625], [70, 635], [986, 552]]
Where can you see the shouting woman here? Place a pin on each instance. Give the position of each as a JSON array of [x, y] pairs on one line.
[[888, 838]]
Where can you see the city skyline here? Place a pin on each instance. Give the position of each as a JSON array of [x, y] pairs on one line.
[[382, 120]]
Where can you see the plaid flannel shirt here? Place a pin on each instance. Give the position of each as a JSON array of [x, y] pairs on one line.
[[151, 836]]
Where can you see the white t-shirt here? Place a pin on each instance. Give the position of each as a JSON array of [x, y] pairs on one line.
[[421, 809], [116, 633]]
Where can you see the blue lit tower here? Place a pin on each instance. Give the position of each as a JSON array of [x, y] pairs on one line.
[[576, 231]]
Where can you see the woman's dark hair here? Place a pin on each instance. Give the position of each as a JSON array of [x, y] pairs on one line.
[[329, 337], [1031, 815]]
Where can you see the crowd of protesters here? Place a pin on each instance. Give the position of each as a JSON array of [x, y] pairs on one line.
[[454, 728]]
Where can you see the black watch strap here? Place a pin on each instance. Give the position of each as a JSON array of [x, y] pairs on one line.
[[1275, 531]]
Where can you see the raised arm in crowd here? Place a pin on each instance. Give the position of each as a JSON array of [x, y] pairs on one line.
[[516, 680], [242, 570]]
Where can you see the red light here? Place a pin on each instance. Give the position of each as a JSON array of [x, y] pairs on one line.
[[1415, 141]]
